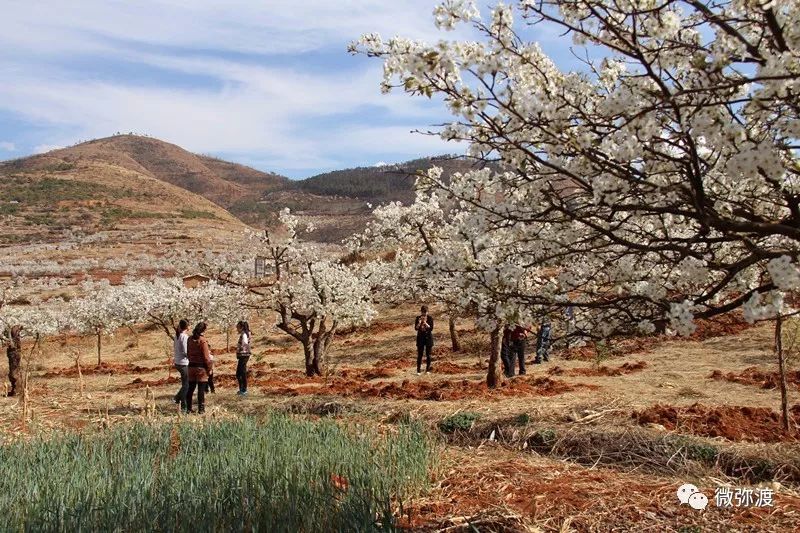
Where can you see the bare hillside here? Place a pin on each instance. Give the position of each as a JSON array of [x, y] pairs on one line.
[[50, 199], [220, 181], [84, 181]]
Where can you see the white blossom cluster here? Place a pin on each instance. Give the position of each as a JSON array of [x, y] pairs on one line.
[[784, 273], [105, 308]]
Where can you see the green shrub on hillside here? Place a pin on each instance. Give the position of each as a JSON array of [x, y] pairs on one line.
[[458, 422], [48, 191], [193, 213], [115, 213], [9, 209]]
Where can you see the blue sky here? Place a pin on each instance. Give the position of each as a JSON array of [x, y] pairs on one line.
[[264, 83]]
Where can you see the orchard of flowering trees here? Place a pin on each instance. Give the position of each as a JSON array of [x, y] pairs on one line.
[[105, 308], [312, 296], [655, 185]]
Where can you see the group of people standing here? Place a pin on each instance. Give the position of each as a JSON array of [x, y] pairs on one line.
[[514, 344], [195, 363]]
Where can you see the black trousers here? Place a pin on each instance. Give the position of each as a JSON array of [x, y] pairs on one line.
[[241, 372], [506, 359], [180, 396], [518, 350], [201, 396], [14, 357], [424, 345]]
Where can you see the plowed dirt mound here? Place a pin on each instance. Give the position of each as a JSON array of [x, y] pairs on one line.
[[139, 383], [586, 500], [440, 366], [433, 390], [448, 367], [281, 378], [367, 374], [284, 375], [223, 351], [721, 326], [756, 424], [110, 369], [396, 364], [626, 368], [756, 377]]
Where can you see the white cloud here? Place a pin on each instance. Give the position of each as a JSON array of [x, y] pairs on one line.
[[274, 27], [295, 117], [44, 148], [7, 146], [271, 122]]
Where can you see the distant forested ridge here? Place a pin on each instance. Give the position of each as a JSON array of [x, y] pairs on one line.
[[384, 183]]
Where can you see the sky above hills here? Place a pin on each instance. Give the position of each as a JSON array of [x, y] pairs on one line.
[[264, 83]]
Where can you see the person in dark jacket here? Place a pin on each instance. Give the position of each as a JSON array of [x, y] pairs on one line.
[[423, 324], [543, 342], [181, 361], [201, 367], [242, 355]]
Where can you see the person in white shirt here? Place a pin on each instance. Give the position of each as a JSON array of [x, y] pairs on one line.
[[242, 355], [181, 361]]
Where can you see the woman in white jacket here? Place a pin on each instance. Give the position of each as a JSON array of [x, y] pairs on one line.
[[242, 355], [181, 361]]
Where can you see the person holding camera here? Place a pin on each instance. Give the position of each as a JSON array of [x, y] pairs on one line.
[[423, 324]]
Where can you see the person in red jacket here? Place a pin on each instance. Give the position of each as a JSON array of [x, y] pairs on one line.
[[519, 341], [201, 367]]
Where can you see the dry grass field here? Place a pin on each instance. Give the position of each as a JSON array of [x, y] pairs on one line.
[[580, 443]]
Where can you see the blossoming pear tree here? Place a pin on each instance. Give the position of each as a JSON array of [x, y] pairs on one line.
[[97, 313], [32, 321], [163, 302], [452, 263], [313, 297], [659, 180], [406, 238]]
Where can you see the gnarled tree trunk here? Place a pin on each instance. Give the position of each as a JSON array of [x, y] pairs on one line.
[[493, 376], [456, 343], [312, 361], [322, 341], [99, 346], [14, 352], [782, 372]]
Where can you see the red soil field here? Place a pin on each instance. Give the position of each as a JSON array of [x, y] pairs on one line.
[[735, 423]]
